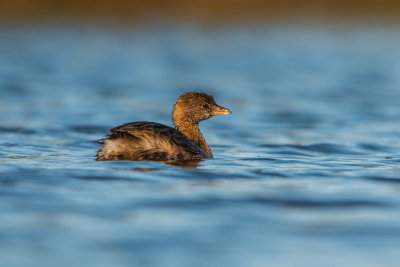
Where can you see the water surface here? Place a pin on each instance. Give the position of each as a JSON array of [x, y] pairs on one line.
[[306, 169]]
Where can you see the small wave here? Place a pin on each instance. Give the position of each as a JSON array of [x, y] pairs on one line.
[[374, 147], [305, 203], [383, 179], [105, 178], [88, 129], [329, 149], [258, 159], [17, 129], [8, 144], [290, 152], [263, 172], [326, 148]]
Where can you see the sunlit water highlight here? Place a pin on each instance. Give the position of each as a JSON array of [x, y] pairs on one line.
[[306, 169]]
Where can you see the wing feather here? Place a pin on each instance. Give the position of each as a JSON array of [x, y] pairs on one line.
[[148, 141]]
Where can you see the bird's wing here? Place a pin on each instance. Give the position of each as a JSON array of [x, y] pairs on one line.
[[150, 141]]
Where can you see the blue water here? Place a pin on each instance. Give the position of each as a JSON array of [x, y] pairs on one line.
[[306, 169]]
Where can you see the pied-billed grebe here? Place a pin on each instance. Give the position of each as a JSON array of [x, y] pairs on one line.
[[151, 141]]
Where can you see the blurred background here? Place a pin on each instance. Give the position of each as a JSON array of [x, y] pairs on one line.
[[306, 169], [216, 11]]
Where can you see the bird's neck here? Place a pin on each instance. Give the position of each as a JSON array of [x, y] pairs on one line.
[[192, 132]]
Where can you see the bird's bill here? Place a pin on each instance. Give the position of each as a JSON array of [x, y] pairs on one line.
[[217, 110]]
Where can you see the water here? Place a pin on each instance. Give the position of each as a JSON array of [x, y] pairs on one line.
[[306, 169]]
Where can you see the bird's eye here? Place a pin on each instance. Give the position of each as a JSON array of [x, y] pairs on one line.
[[206, 105]]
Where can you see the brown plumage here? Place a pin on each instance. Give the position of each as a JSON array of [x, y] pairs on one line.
[[151, 141]]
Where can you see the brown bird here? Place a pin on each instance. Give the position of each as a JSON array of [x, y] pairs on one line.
[[151, 141]]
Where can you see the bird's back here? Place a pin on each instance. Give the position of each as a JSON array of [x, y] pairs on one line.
[[148, 141]]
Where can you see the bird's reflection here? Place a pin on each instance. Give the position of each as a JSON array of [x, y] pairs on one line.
[[184, 164]]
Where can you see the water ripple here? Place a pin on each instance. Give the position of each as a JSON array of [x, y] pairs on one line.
[[307, 165]]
